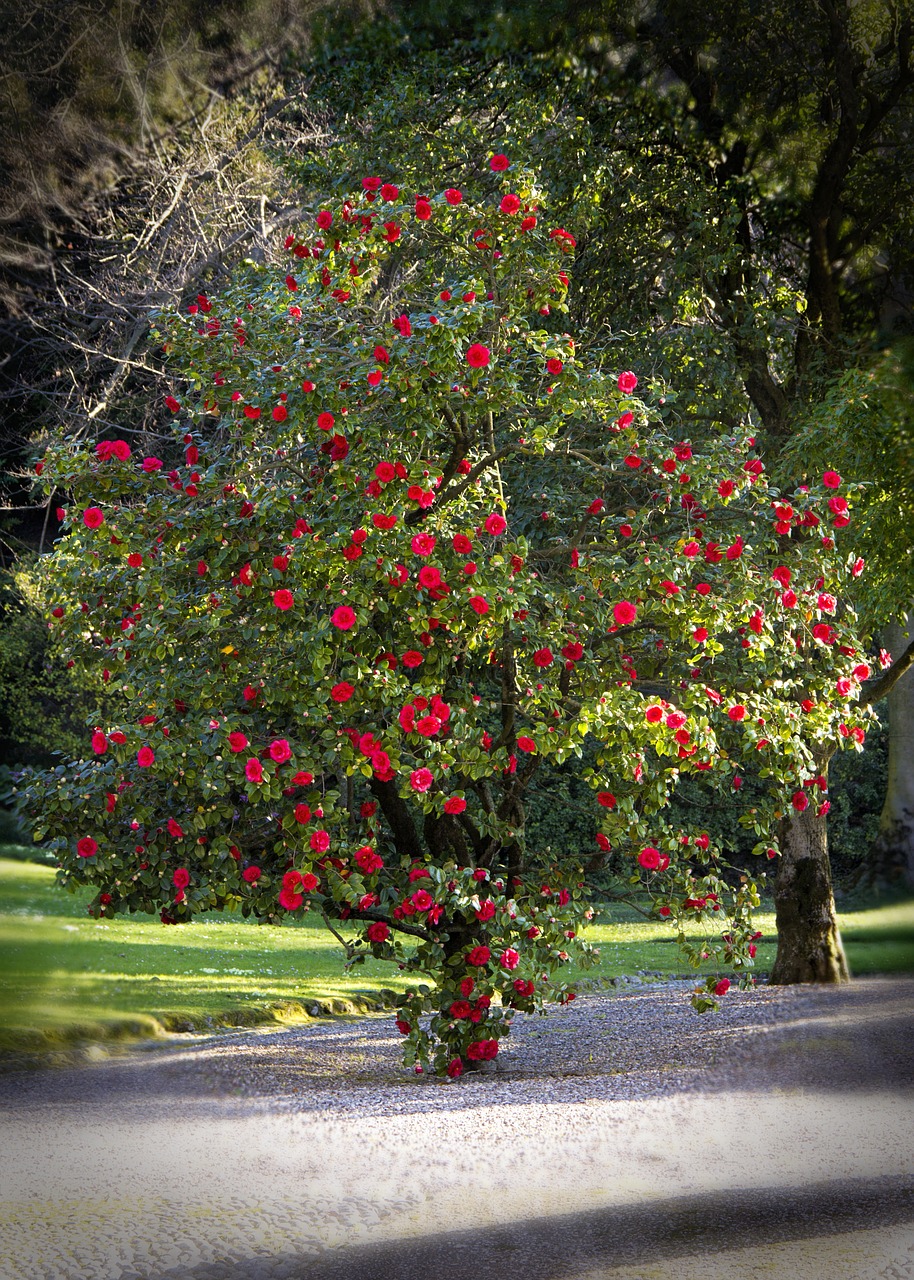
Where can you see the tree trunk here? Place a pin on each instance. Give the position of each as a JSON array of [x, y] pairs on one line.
[[809, 944], [893, 852]]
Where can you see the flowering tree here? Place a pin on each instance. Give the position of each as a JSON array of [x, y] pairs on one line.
[[339, 665]]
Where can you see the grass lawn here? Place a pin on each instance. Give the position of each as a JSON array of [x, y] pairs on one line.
[[69, 977]]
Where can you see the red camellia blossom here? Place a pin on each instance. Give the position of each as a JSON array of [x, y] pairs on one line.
[[253, 770], [342, 692], [453, 196], [722, 987], [653, 714], [509, 958], [302, 813], [421, 779], [93, 517], [606, 799], [87, 847], [627, 382], [455, 1068], [831, 480], [498, 163], [479, 956], [461, 544], [478, 604], [554, 366], [737, 712], [289, 899], [624, 613], [280, 751], [510, 204], [482, 1050], [145, 757], [649, 858], [543, 658], [378, 931], [800, 801], [251, 874], [343, 618], [454, 804], [526, 744], [181, 878], [478, 356], [99, 742], [495, 524], [174, 829], [283, 599], [320, 841]]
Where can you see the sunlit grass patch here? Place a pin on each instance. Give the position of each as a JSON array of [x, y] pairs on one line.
[[67, 976]]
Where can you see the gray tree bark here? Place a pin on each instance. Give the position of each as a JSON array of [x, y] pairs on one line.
[[893, 852], [809, 944]]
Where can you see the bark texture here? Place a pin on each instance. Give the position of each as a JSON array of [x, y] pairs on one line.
[[893, 852], [809, 944]]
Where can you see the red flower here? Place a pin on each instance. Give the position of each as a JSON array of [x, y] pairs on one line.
[[509, 959], [554, 366], [721, 988], [498, 163], [181, 878], [509, 204], [737, 713], [391, 232], [93, 518], [649, 858], [461, 544], [479, 956], [495, 524], [453, 196], [543, 658], [253, 770], [422, 900], [280, 751], [389, 192], [342, 692], [831, 480], [326, 421], [302, 814], [454, 804], [343, 618], [377, 932], [624, 613], [478, 356], [606, 799], [145, 757], [423, 209], [99, 743], [421, 779], [86, 847], [479, 605], [455, 1068], [251, 874], [627, 382], [283, 599], [653, 714], [526, 744], [290, 900], [174, 829], [320, 841]]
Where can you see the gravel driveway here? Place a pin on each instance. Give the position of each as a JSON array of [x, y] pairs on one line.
[[622, 1137]]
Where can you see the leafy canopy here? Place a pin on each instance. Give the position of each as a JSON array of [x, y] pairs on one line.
[[340, 658]]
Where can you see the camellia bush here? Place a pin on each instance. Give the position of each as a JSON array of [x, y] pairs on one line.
[[341, 646]]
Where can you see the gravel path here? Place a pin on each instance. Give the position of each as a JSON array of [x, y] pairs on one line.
[[621, 1137]]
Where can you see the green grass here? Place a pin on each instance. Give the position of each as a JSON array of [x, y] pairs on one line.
[[69, 977]]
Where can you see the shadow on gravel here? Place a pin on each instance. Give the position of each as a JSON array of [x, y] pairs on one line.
[[562, 1248]]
